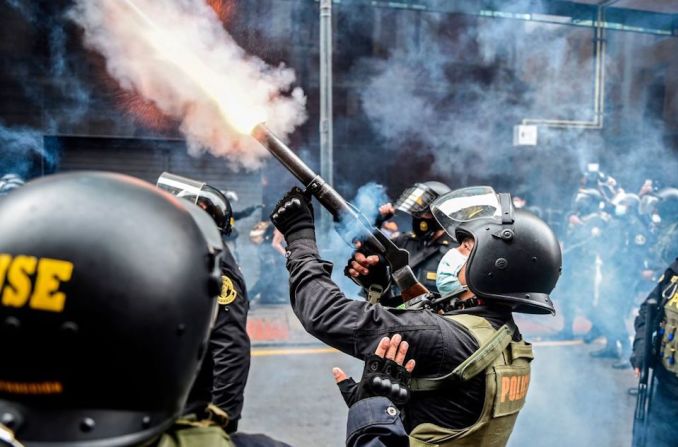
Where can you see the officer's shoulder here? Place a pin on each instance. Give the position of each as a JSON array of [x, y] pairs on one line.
[[228, 291]]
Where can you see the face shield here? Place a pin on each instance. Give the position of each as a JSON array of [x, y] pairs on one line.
[[416, 200], [465, 205], [201, 194]]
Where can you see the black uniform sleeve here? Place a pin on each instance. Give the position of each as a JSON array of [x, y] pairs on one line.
[[375, 422], [230, 346], [355, 327]]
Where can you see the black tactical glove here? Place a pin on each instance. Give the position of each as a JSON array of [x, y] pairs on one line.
[[374, 283], [381, 377], [293, 216]]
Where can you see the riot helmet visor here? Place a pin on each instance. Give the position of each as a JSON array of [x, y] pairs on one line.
[[201, 194], [465, 205]]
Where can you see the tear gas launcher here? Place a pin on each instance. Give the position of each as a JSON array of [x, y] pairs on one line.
[[347, 215]]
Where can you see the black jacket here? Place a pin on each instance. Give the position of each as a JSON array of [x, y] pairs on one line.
[[355, 328], [224, 371]]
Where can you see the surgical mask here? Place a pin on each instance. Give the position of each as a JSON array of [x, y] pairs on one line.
[[447, 278]]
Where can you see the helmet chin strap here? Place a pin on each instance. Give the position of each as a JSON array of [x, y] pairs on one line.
[[459, 304], [506, 208]]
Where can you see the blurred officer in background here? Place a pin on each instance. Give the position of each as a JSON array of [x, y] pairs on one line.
[[223, 376]]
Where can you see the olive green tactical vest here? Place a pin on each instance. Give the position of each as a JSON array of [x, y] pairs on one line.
[[506, 365], [669, 327], [186, 433]]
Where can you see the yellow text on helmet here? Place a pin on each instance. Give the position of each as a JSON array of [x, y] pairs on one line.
[[27, 280]]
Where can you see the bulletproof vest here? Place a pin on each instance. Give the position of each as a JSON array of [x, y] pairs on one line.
[[669, 326], [189, 433], [506, 365]]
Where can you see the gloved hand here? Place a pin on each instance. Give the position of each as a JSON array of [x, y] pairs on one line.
[[370, 272], [383, 375], [293, 216]]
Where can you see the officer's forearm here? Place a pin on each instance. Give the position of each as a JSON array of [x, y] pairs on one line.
[[322, 308], [352, 326]]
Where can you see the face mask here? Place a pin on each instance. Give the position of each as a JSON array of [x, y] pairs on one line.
[[447, 279]]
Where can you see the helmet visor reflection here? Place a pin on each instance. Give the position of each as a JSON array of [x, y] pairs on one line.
[[181, 187], [464, 205]]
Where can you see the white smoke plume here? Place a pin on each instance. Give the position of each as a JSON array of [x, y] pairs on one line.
[[177, 54]]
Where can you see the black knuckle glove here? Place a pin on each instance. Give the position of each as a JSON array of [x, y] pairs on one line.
[[384, 377], [379, 275], [349, 391], [293, 216], [381, 377]]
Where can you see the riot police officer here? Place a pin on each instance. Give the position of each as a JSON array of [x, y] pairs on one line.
[[223, 375], [270, 285], [109, 289], [584, 244], [662, 305], [427, 243], [465, 391]]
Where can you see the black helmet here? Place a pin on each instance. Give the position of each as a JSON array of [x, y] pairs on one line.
[[10, 182], [212, 200], [109, 288], [416, 200], [516, 259]]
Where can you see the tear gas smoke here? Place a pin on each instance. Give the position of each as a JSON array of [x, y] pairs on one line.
[[456, 85], [19, 148], [368, 198], [178, 55]]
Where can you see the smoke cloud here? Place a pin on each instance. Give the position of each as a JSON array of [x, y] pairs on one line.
[[456, 85], [20, 147], [178, 55], [337, 248]]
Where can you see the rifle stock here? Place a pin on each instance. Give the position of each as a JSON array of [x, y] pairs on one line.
[[344, 212]]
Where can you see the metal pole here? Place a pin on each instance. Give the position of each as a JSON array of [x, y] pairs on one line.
[[326, 138]]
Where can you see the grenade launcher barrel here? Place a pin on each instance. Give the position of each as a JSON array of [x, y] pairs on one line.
[[344, 212]]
